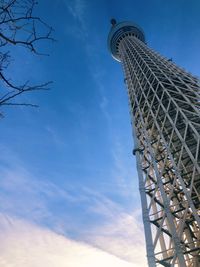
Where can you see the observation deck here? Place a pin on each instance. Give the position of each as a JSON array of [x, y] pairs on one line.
[[118, 32]]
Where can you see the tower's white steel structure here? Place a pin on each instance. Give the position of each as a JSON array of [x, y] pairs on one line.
[[165, 109]]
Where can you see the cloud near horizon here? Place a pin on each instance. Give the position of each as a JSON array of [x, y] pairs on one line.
[[80, 213], [24, 244]]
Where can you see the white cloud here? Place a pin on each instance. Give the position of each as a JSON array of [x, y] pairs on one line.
[[26, 245], [89, 215], [122, 236]]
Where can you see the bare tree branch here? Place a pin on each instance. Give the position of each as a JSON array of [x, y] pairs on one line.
[[19, 27]]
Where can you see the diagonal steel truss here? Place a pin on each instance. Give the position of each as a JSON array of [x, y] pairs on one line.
[[165, 108]]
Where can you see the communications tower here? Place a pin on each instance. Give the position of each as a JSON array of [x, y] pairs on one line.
[[165, 109]]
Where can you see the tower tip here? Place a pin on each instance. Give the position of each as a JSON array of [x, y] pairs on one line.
[[113, 22]]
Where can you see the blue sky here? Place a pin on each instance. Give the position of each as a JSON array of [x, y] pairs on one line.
[[66, 169]]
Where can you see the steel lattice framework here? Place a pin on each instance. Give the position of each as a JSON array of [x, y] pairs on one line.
[[165, 108]]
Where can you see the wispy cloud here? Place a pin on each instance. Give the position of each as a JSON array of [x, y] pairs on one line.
[[24, 195], [119, 233], [122, 237], [77, 8], [109, 226], [27, 245], [123, 167]]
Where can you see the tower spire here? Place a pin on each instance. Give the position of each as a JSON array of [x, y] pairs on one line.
[[113, 22]]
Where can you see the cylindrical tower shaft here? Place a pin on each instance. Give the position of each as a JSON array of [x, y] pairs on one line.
[[165, 107]]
